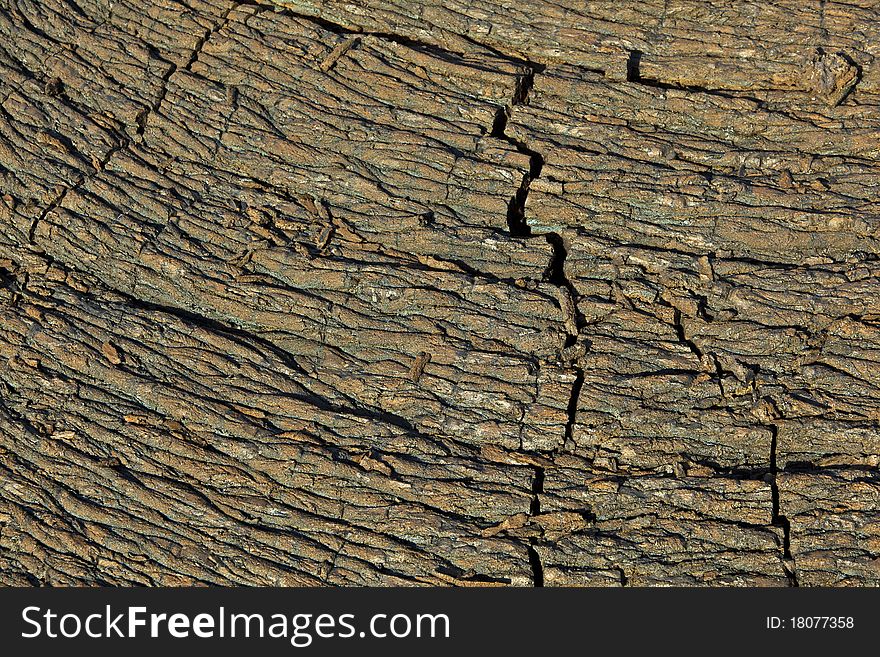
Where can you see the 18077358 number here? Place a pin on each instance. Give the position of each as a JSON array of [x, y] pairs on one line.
[[811, 623]]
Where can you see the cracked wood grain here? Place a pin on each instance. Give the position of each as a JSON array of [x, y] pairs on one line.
[[404, 294]]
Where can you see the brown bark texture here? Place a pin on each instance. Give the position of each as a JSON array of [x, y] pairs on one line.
[[397, 292]]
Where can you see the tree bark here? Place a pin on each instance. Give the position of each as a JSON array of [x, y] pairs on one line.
[[391, 293]]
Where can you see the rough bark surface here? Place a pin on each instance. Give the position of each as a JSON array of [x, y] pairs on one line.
[[396, 292]]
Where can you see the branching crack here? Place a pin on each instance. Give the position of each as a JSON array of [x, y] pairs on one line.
[[141, 119], [555, 274]]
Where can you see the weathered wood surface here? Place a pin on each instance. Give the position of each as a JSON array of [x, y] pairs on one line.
[[399, 293]]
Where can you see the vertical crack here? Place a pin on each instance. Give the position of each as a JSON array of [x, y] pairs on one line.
[[554, 274], [576, 388], [778, 519], [535, 510], [682, 334], [633, 65], [516, 207], [567, 293]]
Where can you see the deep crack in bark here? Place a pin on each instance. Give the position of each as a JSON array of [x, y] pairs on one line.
[[780, 520], [555, 274]]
